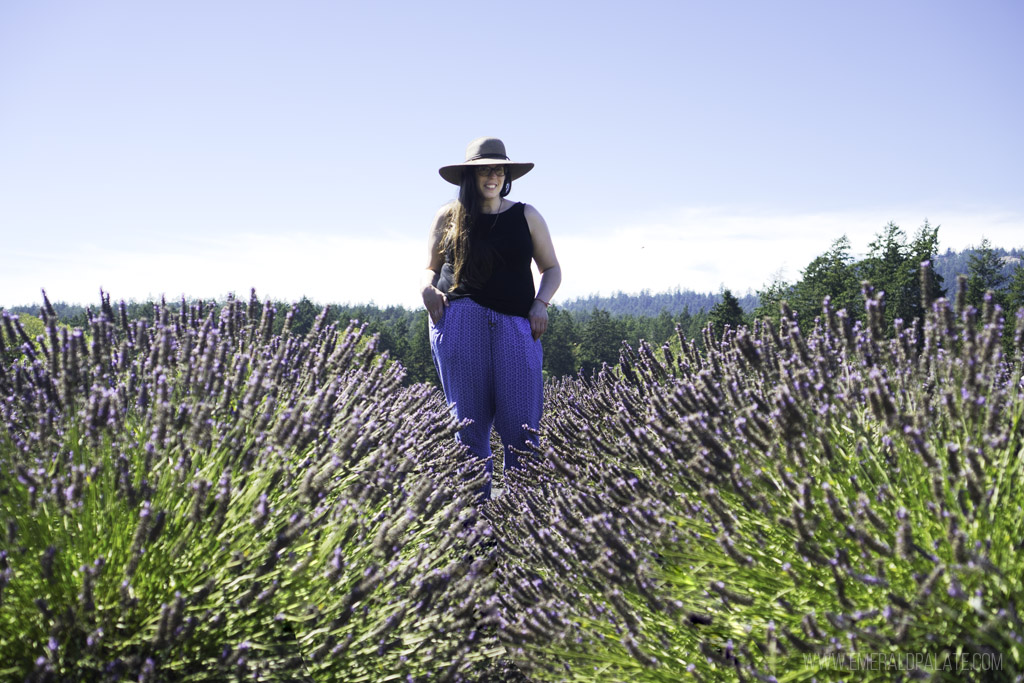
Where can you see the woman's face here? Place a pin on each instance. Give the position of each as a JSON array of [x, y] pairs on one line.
[[489, 182]]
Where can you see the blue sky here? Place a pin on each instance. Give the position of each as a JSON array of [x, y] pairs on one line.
[[201, 148]]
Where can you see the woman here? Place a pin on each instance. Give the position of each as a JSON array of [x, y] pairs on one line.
[[486, 318]]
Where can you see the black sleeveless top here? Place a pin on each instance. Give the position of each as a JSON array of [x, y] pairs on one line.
[[509, 289]]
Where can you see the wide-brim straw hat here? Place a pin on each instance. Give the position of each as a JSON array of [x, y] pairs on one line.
[[485, 152]]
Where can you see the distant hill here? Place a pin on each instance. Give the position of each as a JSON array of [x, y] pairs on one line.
[[650, 305], [953, 263]]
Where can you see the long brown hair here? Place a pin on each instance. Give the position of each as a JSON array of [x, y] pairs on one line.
[[470, 260]]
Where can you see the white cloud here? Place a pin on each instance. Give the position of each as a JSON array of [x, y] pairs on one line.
[[698, 249], [325, 269]]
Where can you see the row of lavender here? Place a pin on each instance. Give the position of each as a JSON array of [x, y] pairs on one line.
[[787, 506], [198, 499]]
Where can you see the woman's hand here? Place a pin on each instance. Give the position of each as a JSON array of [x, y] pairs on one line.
[[434, 299], [436, 302], [538, 319], [547, 264]]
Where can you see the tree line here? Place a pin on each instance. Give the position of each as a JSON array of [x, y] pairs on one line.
[[893, 266], [584, 334]]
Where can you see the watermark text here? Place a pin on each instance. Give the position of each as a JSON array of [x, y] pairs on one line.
[[906, 661]]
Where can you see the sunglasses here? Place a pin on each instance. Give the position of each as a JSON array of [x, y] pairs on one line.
[[485, 171]]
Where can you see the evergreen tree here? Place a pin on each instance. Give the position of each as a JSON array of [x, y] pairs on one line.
[[925, 247], [725, 312], [771, 298], [662, 329], [893, 266], [420, 362], [560, 342], [984, 273], [303, 316], [600, 339], [833, 274], [886, 269], [1014, 298]]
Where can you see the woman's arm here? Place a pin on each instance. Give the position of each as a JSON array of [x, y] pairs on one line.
[[547, 264], [434, 299]]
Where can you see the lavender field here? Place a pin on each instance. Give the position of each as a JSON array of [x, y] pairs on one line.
[[200, 499]]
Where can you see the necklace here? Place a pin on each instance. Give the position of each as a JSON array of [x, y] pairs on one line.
[[497, 213]]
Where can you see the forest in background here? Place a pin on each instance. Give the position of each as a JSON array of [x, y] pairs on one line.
[[585, 333]]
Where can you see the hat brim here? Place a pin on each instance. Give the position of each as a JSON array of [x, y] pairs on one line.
[[453, 173]]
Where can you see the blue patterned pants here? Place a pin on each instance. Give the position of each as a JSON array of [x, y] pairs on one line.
[[490, 370]]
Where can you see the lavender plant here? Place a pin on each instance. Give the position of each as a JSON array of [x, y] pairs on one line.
[[785, 506], [199, 499]]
